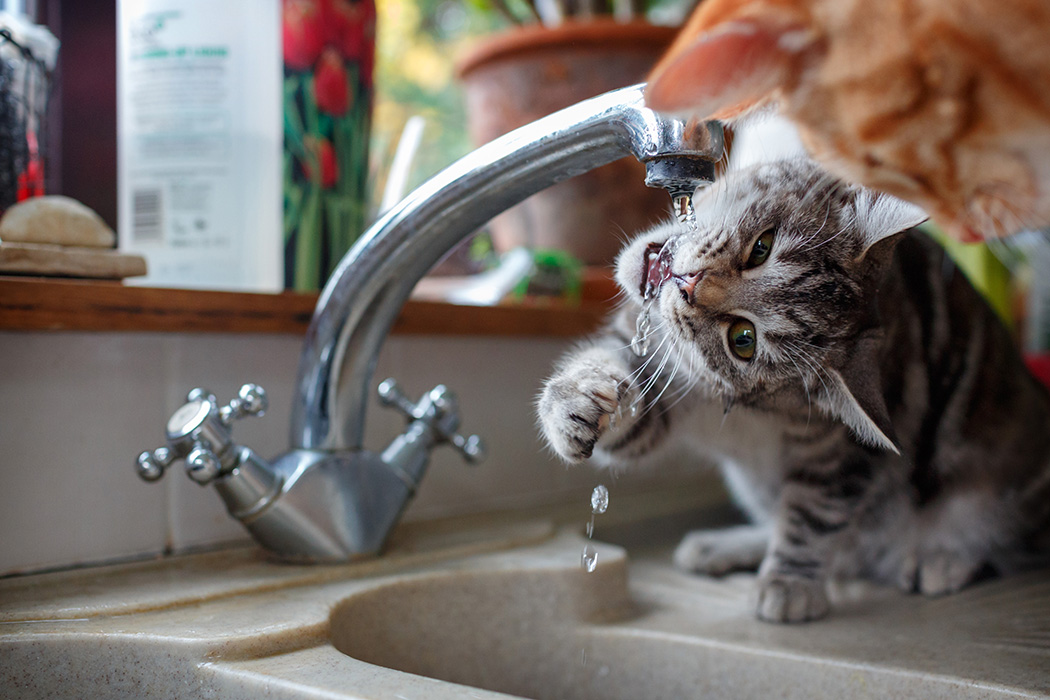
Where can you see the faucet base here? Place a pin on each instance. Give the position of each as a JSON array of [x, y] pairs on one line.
[[332, 507]]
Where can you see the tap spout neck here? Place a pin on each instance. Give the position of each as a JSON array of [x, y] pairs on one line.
[[366, 291]]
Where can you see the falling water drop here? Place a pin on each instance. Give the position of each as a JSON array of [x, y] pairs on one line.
[[599, 504], [683, 209], [640, 342], [589, 560], [599, 499]]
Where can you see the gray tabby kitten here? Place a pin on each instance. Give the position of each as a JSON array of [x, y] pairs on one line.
[[868, 411]]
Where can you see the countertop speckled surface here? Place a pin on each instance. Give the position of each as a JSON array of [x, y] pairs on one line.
[[480, 608]]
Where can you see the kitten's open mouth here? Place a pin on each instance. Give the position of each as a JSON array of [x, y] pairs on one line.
[[656, 268]]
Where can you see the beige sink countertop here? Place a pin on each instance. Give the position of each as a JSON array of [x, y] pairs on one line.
[[486, 607]]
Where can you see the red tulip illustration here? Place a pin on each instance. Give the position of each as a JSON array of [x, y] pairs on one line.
[[350, 26], [329, 50], [330, 87], [323, 154], [302, 33]]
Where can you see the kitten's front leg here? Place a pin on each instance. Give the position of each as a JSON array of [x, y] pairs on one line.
[[817, 505], [577, 404], [719, 552], [792, 579]]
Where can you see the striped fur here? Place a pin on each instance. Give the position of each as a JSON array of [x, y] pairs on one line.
[[886, 426]]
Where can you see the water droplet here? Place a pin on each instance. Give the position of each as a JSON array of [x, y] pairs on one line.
[[683, 209], [634, 407], [599, 504], [640, 342], [599, 499], [589, 560]]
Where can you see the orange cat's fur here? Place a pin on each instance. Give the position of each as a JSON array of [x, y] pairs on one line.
[[942, 102]]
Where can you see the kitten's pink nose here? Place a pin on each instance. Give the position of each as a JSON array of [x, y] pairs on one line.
[[687, 283]]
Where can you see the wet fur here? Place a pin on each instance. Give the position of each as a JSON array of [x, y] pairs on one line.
[[870, 341]]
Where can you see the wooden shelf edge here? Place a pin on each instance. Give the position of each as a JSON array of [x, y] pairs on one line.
[[36, 304]]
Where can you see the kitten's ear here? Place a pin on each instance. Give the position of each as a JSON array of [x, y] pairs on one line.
[[856, 395], [722, 69], [881, 216]]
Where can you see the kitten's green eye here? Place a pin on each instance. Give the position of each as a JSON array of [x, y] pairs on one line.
[[760, 250], [742, 339]]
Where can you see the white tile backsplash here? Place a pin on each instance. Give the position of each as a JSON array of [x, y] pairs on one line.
[[76, 408], [71, 406]]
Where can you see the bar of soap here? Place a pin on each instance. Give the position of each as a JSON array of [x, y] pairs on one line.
[[56, 220]]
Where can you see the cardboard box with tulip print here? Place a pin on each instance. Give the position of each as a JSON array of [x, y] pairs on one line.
[[243, 138]]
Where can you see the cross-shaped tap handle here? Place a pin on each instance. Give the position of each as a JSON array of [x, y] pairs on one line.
[[200, 433], [439, 409]]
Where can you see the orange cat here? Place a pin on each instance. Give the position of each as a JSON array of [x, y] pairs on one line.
[[942, 102]]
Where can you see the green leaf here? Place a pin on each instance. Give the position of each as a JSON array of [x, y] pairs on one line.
[[293, 122], [310, 109], [293, 205], [306, 275]]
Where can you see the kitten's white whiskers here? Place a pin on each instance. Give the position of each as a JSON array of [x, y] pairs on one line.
[[845, 227], [652, 330], [670, 380], [814, 367], [654, 377], [805, 384], [827, 215], [683, 388], [727, 401], [649, 358]]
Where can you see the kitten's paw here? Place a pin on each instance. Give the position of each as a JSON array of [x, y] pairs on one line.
[[938, 572], [791, 599], [719, 552], [575, 409]]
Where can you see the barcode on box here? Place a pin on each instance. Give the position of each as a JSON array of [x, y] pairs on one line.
[[145, 216]]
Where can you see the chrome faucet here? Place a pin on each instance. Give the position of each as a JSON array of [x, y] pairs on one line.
[[328, 498]]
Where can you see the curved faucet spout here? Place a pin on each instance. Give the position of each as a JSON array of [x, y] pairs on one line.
[[328, 498], [372, 282]]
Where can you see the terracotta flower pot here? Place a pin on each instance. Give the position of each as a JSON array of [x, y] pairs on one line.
[[517, 77]]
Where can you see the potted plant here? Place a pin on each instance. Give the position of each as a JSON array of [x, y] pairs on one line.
[[558, 53]]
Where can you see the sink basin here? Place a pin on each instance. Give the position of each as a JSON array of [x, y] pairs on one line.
[[494, 607], [522, 630], [543, 628]]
